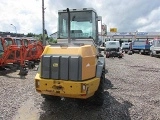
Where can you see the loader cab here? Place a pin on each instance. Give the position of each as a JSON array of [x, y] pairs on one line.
[[83, 25]]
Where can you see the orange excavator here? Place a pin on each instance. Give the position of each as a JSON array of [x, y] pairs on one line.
[[19, 53], [12, 55], [33, 51]]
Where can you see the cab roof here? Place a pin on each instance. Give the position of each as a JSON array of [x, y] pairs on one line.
[[81, 9]]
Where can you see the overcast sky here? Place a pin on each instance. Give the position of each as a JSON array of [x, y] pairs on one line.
[[125, 15]]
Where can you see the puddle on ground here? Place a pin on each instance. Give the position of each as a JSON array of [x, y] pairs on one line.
[[27, 111]]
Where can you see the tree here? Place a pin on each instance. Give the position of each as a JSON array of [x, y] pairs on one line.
[[51, 40], [30, 35]]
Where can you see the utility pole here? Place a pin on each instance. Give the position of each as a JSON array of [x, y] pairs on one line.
[[43, 24]]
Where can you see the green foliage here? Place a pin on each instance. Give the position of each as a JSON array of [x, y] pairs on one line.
[[51, 40], [30, 35], [40, 37]]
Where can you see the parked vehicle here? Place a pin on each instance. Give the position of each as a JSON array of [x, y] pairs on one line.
[[125, 47], [113, 49], [155, 48], [141, 46]]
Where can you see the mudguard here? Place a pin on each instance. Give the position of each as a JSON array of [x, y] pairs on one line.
[[100, 66]]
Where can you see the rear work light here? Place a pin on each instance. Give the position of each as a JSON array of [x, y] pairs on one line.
[[37, 83]]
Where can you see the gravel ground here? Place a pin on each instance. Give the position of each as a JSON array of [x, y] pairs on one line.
[[132, 82]]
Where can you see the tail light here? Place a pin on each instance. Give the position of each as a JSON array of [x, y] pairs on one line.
[[37, 83]]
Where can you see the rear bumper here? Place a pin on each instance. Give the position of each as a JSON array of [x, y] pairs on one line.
[[156, 52], [125, 49], [62, 88], [114, 54], [102, 48]]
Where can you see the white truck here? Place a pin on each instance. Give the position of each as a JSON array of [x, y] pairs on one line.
[[112, 49], [125, 47], [155, 48]]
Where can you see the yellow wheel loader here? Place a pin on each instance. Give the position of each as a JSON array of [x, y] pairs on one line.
[[73, 67]]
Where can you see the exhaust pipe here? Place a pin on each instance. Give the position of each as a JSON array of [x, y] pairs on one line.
[[69, 39]]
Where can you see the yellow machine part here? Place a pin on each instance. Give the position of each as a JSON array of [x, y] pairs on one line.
[[63, 88], [83, 88], [87, 52]]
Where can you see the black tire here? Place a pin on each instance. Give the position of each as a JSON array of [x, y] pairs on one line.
[[98, 97], [107, 56], [151, 54], [129, 52], [141, 53], [31, 65], [50, 97], [132, 52]]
